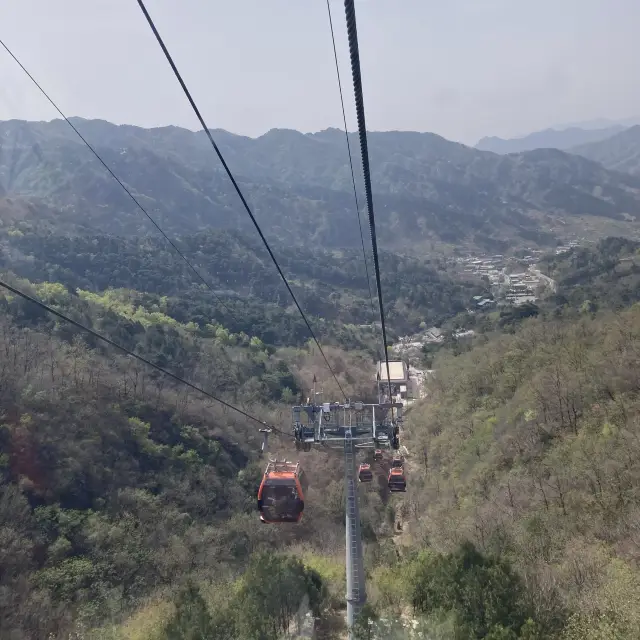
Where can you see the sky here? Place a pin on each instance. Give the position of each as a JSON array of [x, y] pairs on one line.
[[460, 68]]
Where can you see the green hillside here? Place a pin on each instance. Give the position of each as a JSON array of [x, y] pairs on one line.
[[128, 505], [526, 447], [329, 284], [118, 485], [605, 275]]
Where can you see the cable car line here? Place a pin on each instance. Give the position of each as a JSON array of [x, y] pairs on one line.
[[128, 352], [353, 179], [352, 31], [281, 495], [115, 177], [233, 181]]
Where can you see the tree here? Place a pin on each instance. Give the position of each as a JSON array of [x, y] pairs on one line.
[[275, 588], [363, 628], [483, 590], [192, 620]]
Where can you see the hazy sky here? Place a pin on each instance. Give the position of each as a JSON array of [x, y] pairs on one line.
[[460, 68]]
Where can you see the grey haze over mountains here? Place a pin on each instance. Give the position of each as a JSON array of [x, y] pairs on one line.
[[426, 187], [599, 123], [620, 152], [548, 139]]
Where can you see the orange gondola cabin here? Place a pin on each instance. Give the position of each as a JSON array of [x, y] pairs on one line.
[[397, 480], [364, 473], [281, 493]]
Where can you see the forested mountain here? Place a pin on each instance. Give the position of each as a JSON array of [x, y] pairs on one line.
[[620, 152], [605, 276], [548, 139], [330, 284], [118, 484], [528, 447], [426, 187]]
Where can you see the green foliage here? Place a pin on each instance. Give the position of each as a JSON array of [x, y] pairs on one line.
[[120, 303], [392, 585], [111, 482], [52, 292], [498, 632], [207, 356], [273, 591], [484, 592], [439, 626], [70, 580], [515, 315], [612, 610], [604, 276], [192, 620], [365, 625], [331, 286], [117, 484], [530, 451]]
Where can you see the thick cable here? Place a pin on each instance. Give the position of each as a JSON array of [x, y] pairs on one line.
[[115, 177], [233, 181], [126, 351], [350, 13], [353, 179]]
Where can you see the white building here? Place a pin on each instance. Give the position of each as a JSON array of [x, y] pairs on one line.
[[398, 376]]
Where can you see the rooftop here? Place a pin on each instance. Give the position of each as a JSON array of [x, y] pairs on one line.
[[397, 371]]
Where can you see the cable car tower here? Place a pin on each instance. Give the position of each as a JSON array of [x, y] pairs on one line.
[[350, 427]]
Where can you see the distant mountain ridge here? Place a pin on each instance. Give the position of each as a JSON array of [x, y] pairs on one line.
[[619, 153], [426, 188], [548, 139], [600, 123]]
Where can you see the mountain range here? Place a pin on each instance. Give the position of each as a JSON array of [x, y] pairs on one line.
[[426, 188], [620, 152], [548, 139], [600, 123], [565, 136]]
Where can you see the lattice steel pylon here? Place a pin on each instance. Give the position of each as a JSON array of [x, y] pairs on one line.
[[351, 427], [356, 593]]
